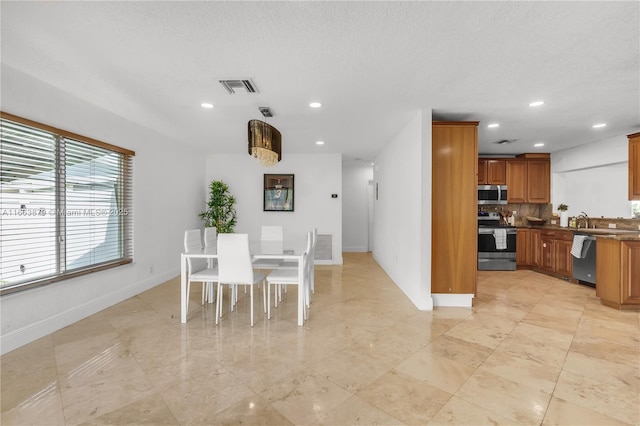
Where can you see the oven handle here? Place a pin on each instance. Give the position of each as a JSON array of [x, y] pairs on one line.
[[490, 230]]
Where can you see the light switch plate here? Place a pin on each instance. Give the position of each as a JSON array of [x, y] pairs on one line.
[[612, 225]]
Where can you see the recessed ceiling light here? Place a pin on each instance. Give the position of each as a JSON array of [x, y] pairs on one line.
[[536, 103], [315, 104], [492, 125], [599, 125], [538, 145], [319, 142], [206, 105]]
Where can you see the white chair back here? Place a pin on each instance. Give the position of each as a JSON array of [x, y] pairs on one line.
[[193, 242], [234, 259], [272, 233], [210, 236]]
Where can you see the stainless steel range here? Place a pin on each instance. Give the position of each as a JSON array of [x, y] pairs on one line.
[[496, 243]]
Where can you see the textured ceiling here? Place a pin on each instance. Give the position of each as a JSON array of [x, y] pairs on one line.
[[371, 64]]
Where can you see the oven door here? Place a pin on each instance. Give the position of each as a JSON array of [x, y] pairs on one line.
[[492, 259]]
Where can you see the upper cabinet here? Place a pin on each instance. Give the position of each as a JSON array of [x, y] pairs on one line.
[[634, 166], [492, 172], [528, 178]]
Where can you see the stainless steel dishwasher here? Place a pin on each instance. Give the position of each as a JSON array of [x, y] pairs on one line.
[[584, 267]]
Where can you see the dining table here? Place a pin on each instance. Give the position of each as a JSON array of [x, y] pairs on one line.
[[286, 250]]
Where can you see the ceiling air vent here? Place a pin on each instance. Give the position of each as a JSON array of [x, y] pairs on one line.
[[239, 87], [504, 141]]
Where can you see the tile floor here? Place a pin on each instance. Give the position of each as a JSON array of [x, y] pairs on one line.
[[533, 350]]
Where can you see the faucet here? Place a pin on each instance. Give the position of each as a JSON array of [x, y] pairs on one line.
[[584, 216]]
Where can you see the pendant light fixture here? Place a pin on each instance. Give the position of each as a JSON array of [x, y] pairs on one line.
[[265, 141]]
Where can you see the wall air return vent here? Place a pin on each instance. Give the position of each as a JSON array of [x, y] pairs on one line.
[[239, 87]]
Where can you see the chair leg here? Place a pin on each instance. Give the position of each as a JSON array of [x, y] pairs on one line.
[[218, 304], [264, 298], [188, 294], [251, 301]]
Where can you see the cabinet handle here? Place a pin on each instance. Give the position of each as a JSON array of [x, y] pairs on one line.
[[544, 244]]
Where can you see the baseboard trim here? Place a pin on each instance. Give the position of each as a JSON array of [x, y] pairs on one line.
[[452, 300], [44, 327]]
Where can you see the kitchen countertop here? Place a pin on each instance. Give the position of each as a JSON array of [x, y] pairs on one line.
[[613, 234]]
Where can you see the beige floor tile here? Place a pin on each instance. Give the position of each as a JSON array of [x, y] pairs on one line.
[[483, 329], [509, 399], [146, 411], [468, 353], [440, 372], [410, 400], [603, 386], [459, 412], [351, 369], [563, 413], [355, 411], [252, 410], [306, 397]]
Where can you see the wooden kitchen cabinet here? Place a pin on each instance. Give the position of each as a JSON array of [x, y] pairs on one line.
[[535, 247], [492, 171], [634, 166], [555, 252], [454, 229], [517, 181], [529, 180], [618, 273], [538, 181], [524, 248]]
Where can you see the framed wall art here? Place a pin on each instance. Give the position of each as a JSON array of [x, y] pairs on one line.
[[278, 193]]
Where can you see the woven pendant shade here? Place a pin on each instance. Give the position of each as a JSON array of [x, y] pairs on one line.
[[265, 142]]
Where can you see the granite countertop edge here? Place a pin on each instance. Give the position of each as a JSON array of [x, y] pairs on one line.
[[628, 235]]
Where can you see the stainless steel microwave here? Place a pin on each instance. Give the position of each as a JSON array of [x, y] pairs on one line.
[[492, 194]]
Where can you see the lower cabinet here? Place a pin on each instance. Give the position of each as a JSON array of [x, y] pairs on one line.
[[528, 247], [617, 272], [555, 252]]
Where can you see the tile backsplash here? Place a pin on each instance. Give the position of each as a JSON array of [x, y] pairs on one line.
[[545, 211]]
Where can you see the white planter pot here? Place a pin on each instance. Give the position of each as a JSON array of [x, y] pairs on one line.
[[564, 219]]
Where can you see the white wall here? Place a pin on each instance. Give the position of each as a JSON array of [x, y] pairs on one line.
[[593, 178], [316, 178], [169, 185], [402, 232], [355, 207]]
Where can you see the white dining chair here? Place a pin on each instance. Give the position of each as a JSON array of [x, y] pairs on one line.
[[235, 268], [283, 277], [210, 240], [272, 236], [197, 269]]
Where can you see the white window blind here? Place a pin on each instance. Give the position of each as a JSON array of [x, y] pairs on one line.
[[65, 205]]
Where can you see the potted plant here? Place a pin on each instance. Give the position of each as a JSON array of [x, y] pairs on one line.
[[564, 216], [220, 211]]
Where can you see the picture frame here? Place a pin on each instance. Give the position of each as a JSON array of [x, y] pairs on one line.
[[278, 193]]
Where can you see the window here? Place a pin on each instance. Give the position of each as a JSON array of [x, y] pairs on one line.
[[65, 204], [635, 209]]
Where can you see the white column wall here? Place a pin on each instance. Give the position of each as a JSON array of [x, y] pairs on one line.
[[355, 207], [316, 178], [402, 232], [168, 194]]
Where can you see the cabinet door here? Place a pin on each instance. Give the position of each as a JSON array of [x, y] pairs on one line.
[[630, 272], [563, 259], [517, 181], [523, 247], [538, 181], [482, 172], [535, 247], [546, 253], [608, 270], [634, 166], [496, 172]]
